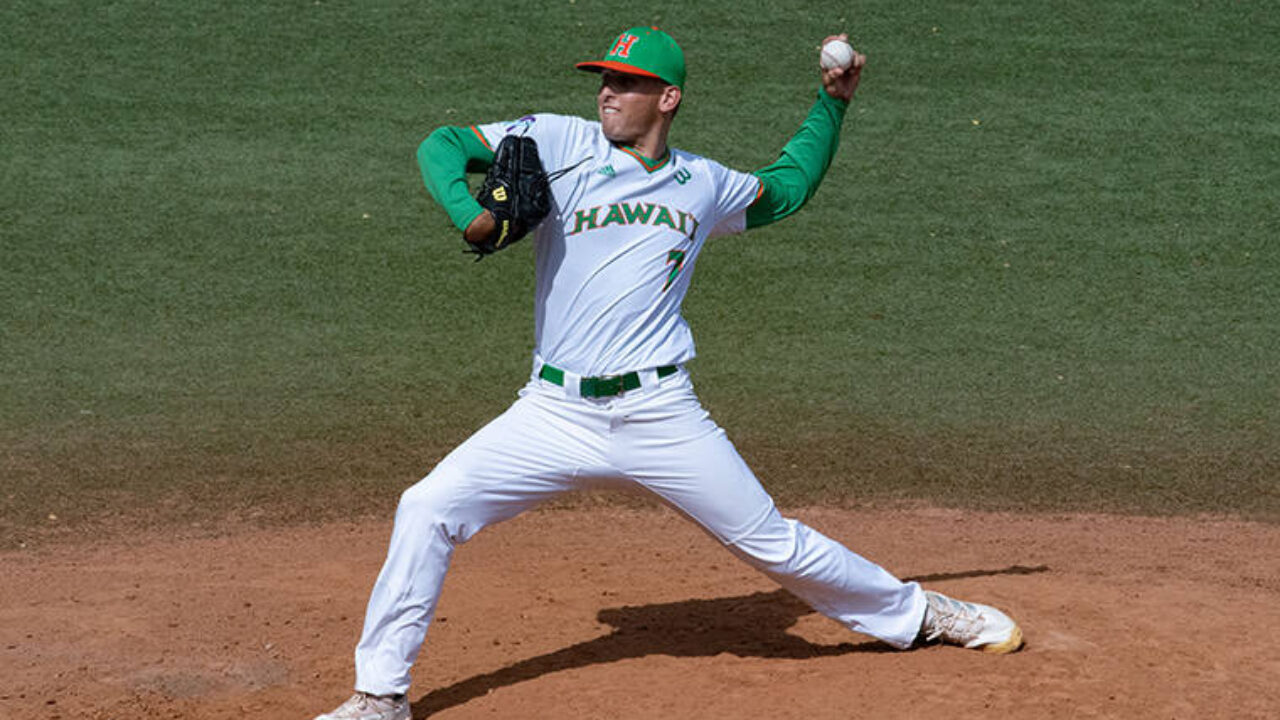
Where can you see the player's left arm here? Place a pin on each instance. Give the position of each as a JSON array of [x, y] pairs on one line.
[[789, 182]]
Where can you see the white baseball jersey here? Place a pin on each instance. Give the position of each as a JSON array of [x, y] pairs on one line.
[[615, 256]]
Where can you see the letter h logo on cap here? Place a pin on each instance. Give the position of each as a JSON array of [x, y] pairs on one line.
[[622, 48]]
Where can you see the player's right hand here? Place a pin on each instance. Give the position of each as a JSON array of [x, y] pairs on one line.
[[480, 229]]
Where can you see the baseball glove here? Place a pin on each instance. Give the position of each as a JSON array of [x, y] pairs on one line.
[[516, 190]]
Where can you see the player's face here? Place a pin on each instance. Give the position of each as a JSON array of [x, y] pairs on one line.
[[629, 105]]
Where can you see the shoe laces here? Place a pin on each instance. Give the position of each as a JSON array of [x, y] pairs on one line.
[[952, 620], [365, 701]]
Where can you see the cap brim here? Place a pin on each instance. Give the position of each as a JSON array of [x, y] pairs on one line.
[[602, 65]]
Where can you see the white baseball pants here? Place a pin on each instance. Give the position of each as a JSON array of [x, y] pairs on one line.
[[550, 442]]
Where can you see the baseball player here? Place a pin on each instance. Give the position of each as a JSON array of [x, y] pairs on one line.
[[609, 400]]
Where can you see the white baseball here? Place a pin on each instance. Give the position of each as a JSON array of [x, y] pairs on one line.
[[836, 54]]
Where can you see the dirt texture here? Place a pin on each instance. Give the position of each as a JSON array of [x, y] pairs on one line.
[[633, 613]]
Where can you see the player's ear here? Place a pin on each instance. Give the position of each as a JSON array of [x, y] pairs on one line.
[[670, 99]]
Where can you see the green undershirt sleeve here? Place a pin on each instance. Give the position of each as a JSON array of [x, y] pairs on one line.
[[445, 157], [790, 181]]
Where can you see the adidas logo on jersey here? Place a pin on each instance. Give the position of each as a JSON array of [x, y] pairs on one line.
[[607, 171]]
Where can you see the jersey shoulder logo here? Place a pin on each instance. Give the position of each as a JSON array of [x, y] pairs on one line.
[[607, 171], [683, 175], [522, 125]]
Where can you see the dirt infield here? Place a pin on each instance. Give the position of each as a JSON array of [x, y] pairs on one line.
[[636, 614]]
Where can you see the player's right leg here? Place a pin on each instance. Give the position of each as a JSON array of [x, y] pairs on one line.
[[529, 454]]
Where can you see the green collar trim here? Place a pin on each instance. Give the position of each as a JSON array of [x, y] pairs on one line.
[[650, 165]]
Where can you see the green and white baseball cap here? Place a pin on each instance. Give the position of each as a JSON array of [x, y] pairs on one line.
[[643, 51]]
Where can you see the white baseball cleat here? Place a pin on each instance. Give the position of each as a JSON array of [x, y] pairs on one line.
[[978, 627], [363, 706]]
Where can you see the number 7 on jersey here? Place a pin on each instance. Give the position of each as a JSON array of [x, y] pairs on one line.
[[675, 259]]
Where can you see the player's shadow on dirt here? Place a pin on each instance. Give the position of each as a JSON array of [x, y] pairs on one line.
[[746, 625]]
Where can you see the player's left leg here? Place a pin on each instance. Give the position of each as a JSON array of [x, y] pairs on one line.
[[673, 448]]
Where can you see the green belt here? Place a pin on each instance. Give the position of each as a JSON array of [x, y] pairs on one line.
[[607, 386]]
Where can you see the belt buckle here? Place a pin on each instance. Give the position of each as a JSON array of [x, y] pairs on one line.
[[609, 386], [603, 386]]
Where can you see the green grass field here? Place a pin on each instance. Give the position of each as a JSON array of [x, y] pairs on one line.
[[1042, 273]]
